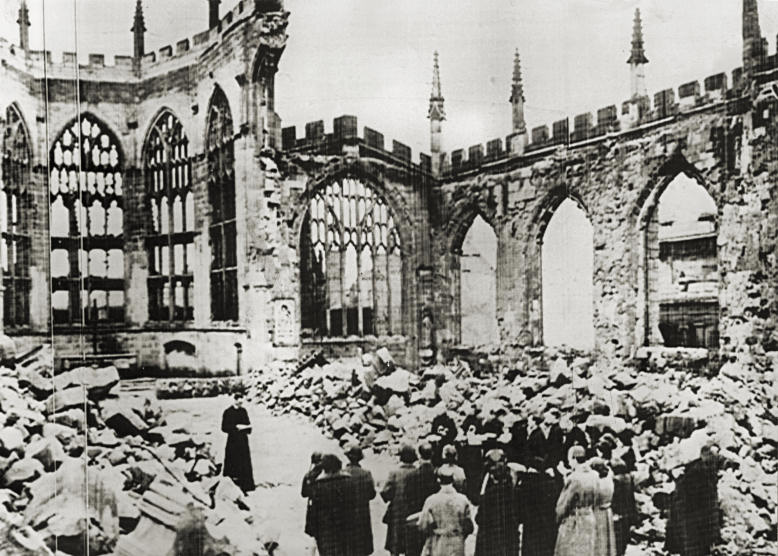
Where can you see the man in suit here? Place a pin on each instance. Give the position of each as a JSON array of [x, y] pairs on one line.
[[361, 490], [424, 483]]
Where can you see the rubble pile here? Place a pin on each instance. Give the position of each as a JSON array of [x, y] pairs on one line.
[[672, 404], [65, 435], [197, 387]]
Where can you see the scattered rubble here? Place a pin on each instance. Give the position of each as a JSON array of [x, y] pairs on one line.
[[667, 398], [135, 468]]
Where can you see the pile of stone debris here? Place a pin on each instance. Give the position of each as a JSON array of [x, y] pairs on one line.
[[666, 397], [65, 435]]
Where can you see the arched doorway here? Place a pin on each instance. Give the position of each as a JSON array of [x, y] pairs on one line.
[[566, 273], [478, 285]]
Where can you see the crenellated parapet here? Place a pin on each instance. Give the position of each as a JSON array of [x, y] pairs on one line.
[[629, 117], [345, 135]]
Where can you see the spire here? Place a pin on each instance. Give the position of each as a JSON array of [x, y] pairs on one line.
[[638, 55], [517, 88], [754, 48], [138, 29], [24, 26], [436, 111], [213, 13]]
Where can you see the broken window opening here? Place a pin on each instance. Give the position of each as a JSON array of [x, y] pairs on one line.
[[167, 170], [350, 264], [86, 212], [478, 285], [682, 266], [221, 196], [15, 211], [566, 278]]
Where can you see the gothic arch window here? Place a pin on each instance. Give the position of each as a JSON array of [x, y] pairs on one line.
[[87, 224], [15, 210], [351, 264], [168, 175], [221, 196], [681, 267], [478, 285], [566, 278]]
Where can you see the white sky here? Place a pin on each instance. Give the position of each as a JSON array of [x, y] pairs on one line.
[[373, 58]]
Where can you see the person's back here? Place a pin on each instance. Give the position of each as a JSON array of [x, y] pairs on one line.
[[537, 497], [361, 490], [423, 483], [330, 495], [498, 515], [445, 519]]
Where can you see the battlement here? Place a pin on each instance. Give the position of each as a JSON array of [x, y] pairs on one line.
[[121, 68], [610, 120], [345, 133]]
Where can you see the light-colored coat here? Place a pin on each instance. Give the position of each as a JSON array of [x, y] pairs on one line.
[[446, 520]]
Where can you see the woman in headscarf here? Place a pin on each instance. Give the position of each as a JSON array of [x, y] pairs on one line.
[[498, 515], [604, 535], [398, 492], [575, 508], [237, 456]]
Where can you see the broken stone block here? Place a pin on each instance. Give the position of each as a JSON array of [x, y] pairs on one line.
[[98, 382], [125, 422], [41, 385], [48, 451], [67, 398], [60, 432], [11, 439], [22, 471], [384, 361], [393, 405], [7, 351], [73, 418], [559, 373]]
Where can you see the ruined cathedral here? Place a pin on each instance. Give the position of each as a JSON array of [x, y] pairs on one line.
[[156, 212]]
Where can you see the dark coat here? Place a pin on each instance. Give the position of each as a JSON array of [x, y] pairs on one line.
[[472, 458], [498, 520], [517, 447], [331, 514], [448, 436], [237, 456], [307, 492], [398, 492], [549, 448], [693, 525], [537, 497], [361, 491], [423, 484], [624, 509]]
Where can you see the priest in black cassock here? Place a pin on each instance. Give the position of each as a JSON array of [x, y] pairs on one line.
[[237, 456]]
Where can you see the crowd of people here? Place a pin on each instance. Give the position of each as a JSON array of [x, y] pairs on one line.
[[542, 487]]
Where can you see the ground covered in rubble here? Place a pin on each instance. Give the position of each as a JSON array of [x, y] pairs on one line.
[[671, 400]]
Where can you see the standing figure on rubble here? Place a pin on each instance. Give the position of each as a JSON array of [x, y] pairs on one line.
[[693, 525], [445, 520], [398, 492], [237, 455], [359, 532]]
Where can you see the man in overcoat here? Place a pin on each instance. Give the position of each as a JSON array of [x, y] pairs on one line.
[[445, 520], [361, 490]]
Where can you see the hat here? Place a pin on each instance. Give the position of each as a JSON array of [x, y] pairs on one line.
[[353, 451], [494, 455], [407, 453]]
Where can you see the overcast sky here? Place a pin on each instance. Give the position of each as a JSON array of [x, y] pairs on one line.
[[373, 58]]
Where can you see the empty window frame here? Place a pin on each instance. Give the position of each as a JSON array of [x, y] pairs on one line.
[[221, 196], [87, 243], [351, 264], [168, 175], [15, 211]]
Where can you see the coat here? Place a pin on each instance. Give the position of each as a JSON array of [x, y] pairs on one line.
[[330, 495], [237, 455], [498, 520], [398, 492], [423, 484], [625, 514], [604, 534], [575, 513], [693, 525], [307, 492], [537, 498], [445, 520], [359, 533]]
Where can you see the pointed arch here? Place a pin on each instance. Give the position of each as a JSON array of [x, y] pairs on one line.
[[167, 168], [87, 223], [220, 152], [16, 217], [478, 283], [678, 279]]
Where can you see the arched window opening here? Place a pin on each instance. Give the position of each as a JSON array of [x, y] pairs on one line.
[[168, 174], [478, 285], [351, 264], [87, 240], [567, 262], [221, 196], [683, 280], [15, 209]]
